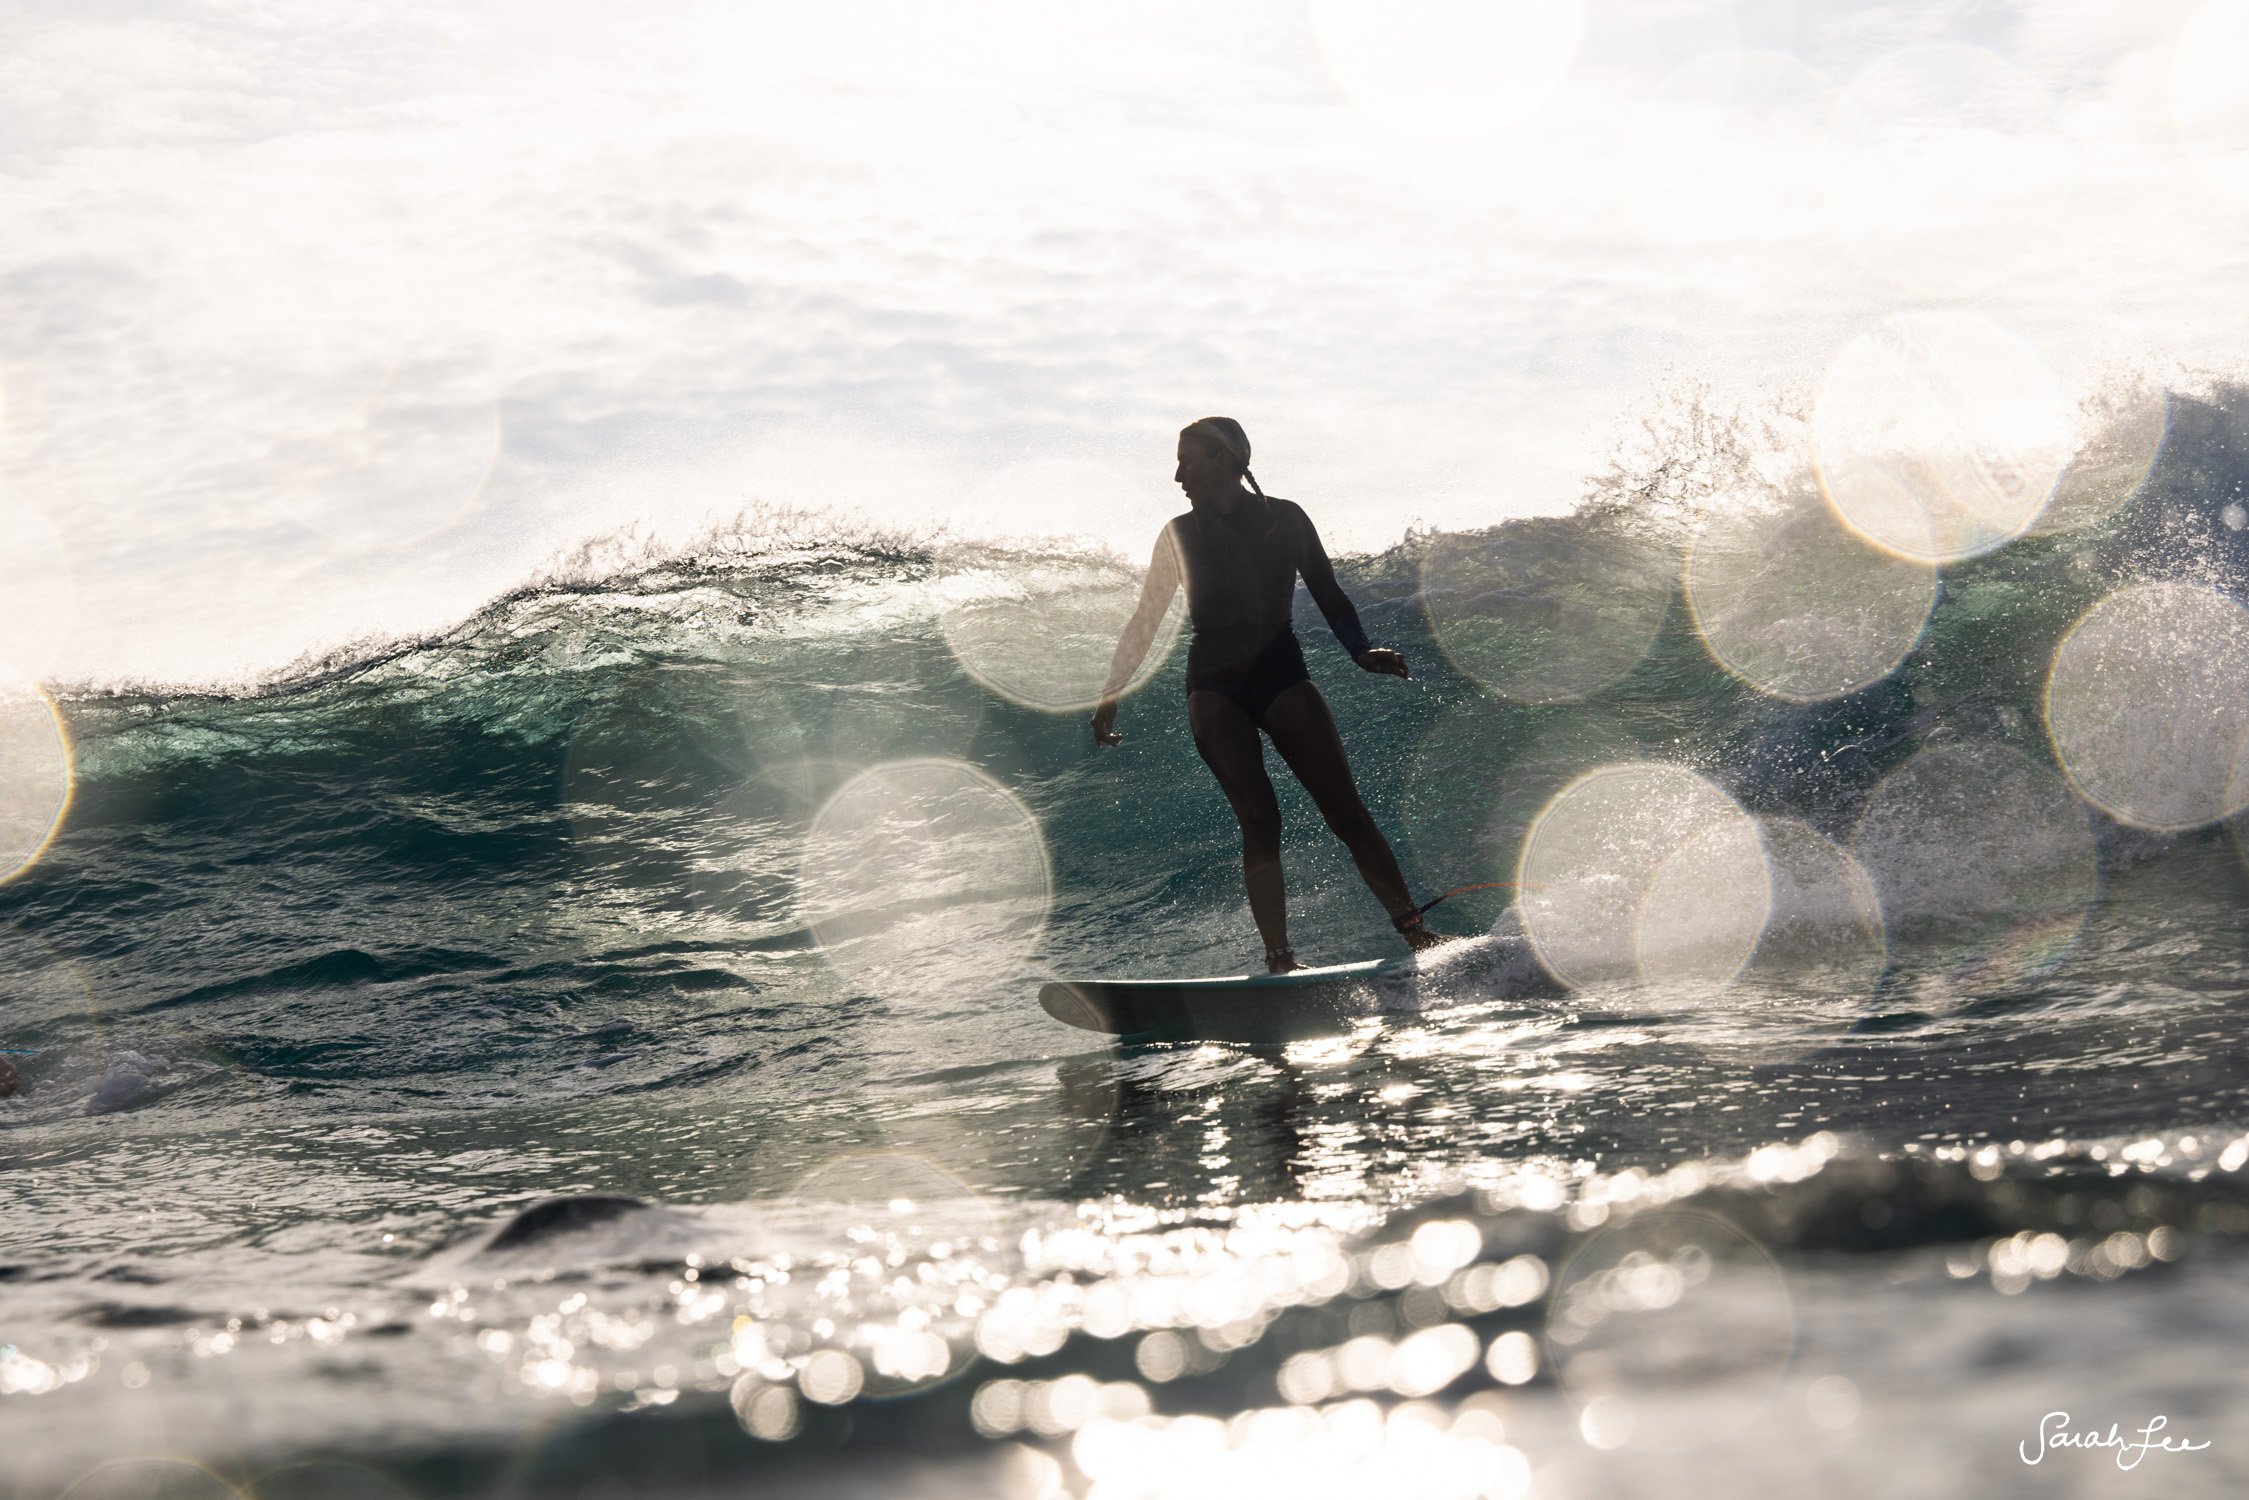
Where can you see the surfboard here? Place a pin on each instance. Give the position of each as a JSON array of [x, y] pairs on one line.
[[1268, 1009]]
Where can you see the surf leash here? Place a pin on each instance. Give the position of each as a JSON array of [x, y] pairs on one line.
[[1487, 885]]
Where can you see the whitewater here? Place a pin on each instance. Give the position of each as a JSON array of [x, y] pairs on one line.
[[592, 1052]]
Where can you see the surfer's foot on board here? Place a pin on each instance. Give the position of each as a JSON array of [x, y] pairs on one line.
[[1419, 935], [1280, 960]]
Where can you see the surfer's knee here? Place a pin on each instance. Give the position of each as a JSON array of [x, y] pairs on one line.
[[1353, 824], [1261, 829]]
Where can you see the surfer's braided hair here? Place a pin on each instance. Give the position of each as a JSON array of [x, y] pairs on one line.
[[1226, 434]]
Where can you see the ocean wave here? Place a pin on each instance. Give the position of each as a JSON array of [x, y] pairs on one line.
[[637, 746]]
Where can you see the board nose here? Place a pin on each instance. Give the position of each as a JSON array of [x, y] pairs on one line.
[[1066, 1004]]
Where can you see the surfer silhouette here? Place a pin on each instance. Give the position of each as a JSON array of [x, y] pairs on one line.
[[1239, 551]]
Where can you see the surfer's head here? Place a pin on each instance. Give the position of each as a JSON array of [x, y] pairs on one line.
[[1214, 460]]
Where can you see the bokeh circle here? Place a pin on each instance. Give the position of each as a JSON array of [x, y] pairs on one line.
[[1644, 873], [151, 1479], [1547, 610], [1040, 629], [1982, 858], [1824, 946], [1795, 605], [925, 880], [1669, 1331], [36, 774], [2120, 436], [689, 792], [2147, 702], [1940, 435]]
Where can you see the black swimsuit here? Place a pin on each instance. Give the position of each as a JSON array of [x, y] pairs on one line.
[[1241, 571]]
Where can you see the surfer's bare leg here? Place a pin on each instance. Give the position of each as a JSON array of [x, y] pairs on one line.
[[1230, 746], [1304, 732]]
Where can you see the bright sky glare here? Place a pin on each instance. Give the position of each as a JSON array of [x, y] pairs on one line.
[[328, 320]]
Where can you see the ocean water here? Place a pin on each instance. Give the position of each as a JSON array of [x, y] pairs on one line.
[[593, 1052]]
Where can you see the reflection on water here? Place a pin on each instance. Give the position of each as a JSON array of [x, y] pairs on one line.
[[1480, 1251]]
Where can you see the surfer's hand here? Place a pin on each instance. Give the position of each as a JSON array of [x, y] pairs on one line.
[[1383, 659], [1105, 725]]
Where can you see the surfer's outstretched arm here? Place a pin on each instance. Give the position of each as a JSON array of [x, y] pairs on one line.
[[1132, 646], [1319, 582]]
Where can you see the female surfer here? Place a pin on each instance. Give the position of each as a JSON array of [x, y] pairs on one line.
[[1239, 552]]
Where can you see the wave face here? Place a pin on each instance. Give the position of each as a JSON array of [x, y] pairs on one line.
[[725, 879]]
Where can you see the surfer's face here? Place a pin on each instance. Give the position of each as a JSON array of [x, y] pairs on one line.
[[1206, 471]]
